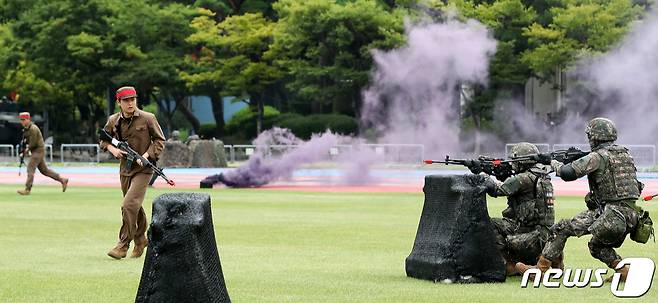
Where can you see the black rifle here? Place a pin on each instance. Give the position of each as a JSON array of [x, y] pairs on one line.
[[565, 156], [122, 145], [21, 149], [569, 155], [500, 168]]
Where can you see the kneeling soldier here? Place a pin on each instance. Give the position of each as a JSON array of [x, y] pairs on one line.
[[611, 213], [524, 229]]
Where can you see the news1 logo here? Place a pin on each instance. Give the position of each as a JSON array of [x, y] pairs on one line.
[[638, 281]]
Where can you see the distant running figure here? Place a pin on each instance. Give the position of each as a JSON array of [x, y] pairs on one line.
[[34, 144]]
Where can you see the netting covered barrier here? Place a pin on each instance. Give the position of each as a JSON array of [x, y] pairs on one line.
[[455, 241], [182, 263]]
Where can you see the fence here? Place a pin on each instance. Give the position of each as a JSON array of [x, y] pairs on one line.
[[243, 152], [79, 153], [399, 153], [7, 153], [390, 153], [644, 155], [48, 147]]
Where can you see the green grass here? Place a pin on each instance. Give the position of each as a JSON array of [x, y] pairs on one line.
[[274, 247]]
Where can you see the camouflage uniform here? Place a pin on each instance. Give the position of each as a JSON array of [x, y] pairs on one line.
[[612, 213], [614, 188], [524, 228]]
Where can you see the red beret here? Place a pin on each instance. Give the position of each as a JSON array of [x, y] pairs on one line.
[[24, 115], [126, 92]]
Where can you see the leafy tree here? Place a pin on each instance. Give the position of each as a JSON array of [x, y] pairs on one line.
[[149, 50], [535, 37], [577, 28], [324, 47], [53, 54], [233, 56], [508, 20]]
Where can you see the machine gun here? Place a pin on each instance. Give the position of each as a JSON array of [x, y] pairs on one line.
[[499, 168], [122, 145], [502, 169], [567, 156]]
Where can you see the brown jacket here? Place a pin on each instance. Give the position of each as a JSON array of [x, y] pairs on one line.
[[143, 134], [34, 138]]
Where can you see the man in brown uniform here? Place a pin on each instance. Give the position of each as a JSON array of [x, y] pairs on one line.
[[34, 144], [143, 133]]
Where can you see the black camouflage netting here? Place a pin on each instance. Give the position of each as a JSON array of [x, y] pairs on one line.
[[182, 263], [455, 240]]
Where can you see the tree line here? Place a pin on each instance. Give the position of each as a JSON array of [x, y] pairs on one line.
[[66, 57]]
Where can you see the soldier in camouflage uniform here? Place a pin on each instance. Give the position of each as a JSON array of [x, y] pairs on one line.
[[612, 213], [523, 230]]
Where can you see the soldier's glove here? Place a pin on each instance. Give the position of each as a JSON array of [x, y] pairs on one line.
[[474, 166], [544, 158], [490, 186]]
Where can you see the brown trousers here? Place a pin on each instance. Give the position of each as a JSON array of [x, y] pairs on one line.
[[38, 160], [134, 218]]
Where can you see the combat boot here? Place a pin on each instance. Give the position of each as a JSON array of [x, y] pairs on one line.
[[119, 251], [543, 265], [24, 192], [139, 248], [65, 183], [623, 271], [558, 262]]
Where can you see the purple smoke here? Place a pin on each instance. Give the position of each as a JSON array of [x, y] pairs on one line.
[[262, 169], [625, 80], [619, 85], [414, 96], [413, 99]]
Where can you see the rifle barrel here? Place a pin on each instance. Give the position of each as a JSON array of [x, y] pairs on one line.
[[125, 147]]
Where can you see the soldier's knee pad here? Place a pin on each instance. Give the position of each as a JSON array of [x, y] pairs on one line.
[[609, 228]]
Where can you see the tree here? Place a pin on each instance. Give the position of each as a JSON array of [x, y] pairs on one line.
[[149, 51], [233, 56], [508, 20], [577, 28], [536, 37], [57, 49], [324, 47]]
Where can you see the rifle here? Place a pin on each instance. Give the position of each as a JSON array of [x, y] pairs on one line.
[[500, 168], [569, 155], [21, 157], [122, 145]]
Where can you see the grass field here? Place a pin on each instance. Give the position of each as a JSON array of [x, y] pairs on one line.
[[274, 246]]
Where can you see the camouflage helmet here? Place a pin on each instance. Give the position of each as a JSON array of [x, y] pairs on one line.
[[601, 130], [520, 150], [523, 149]]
